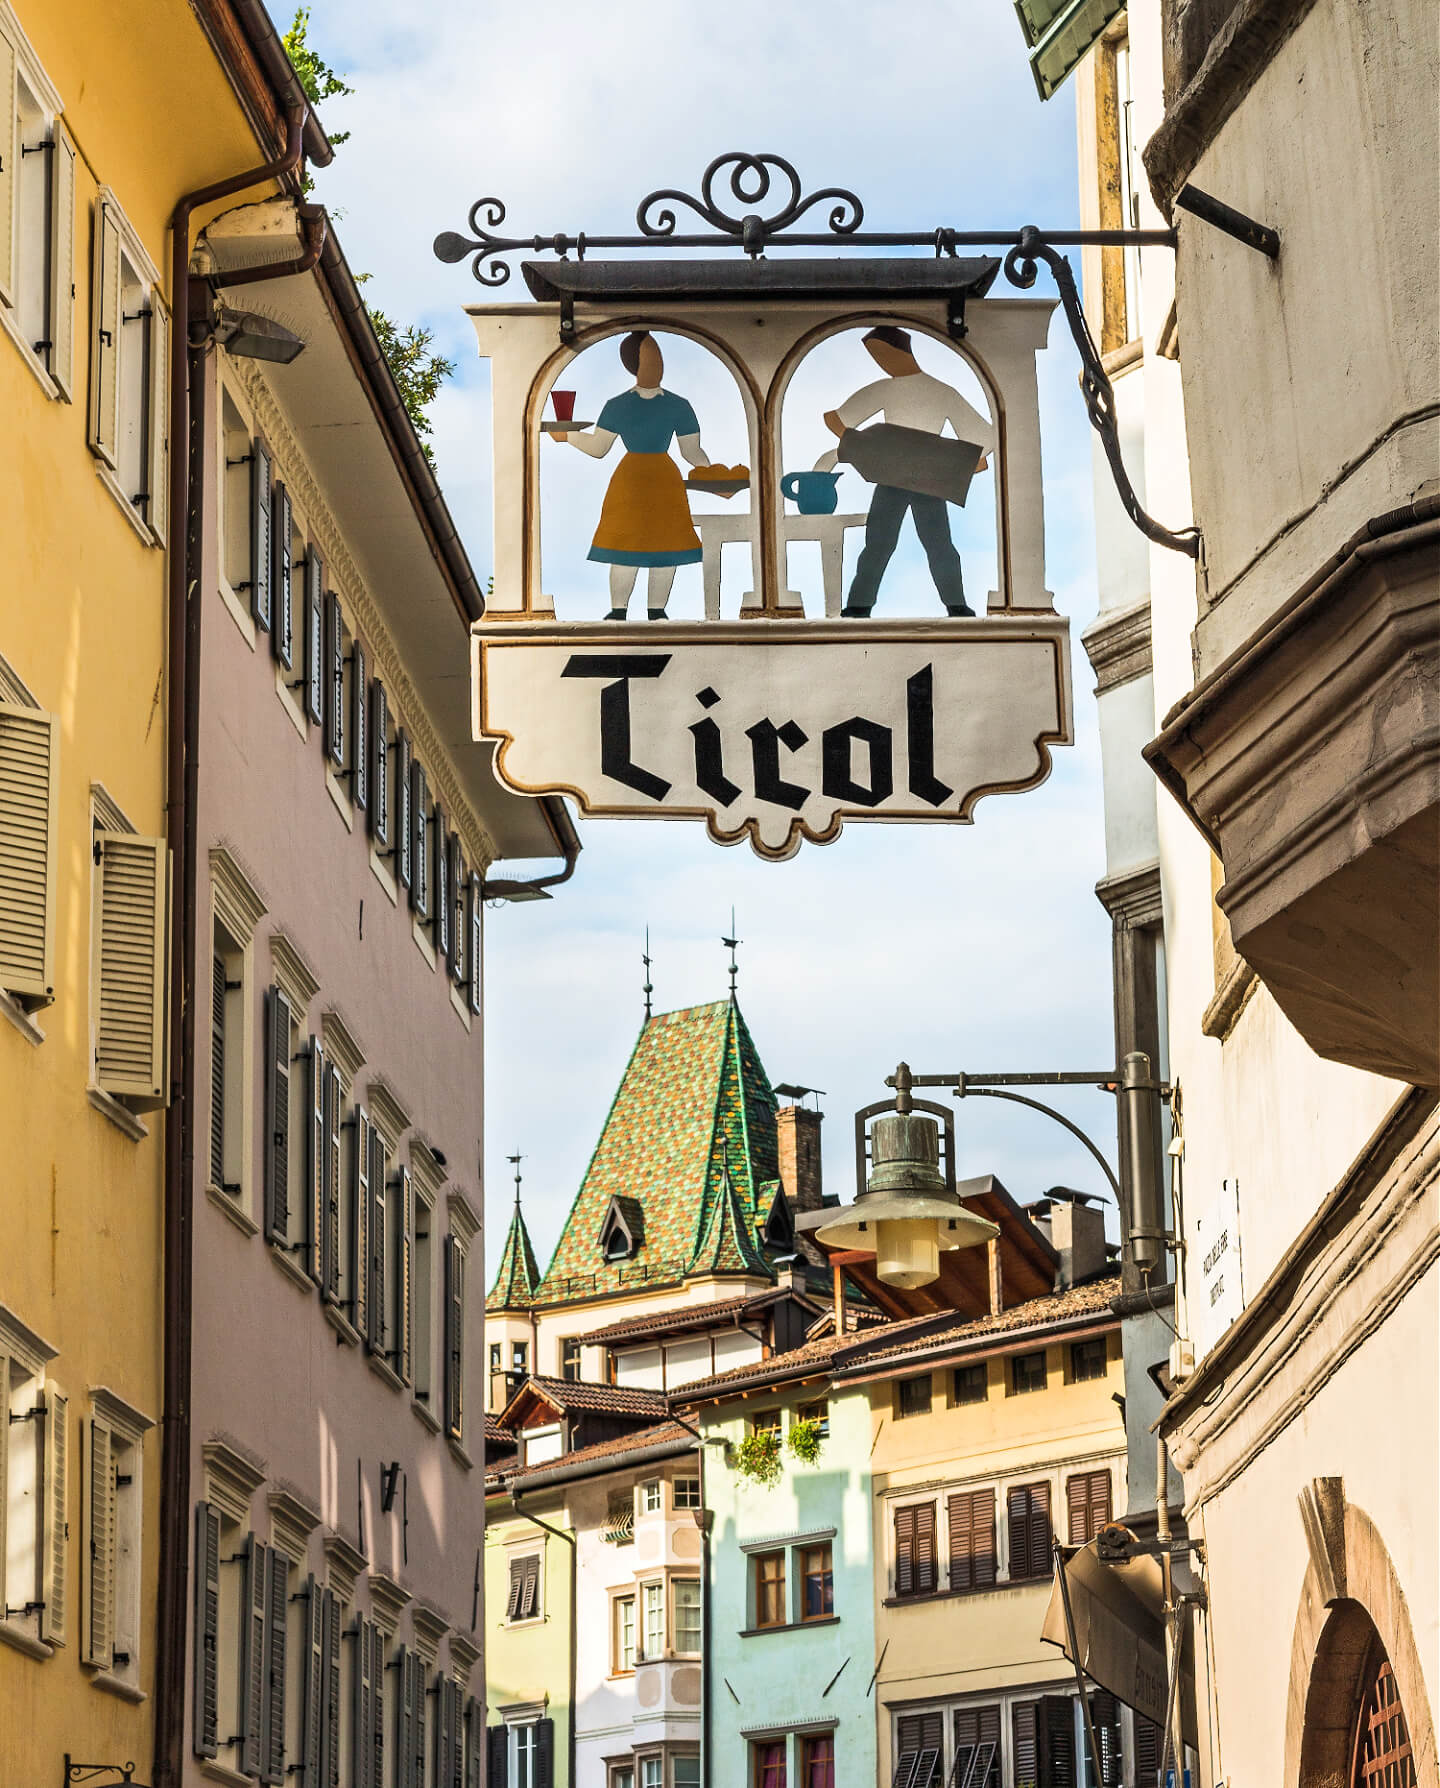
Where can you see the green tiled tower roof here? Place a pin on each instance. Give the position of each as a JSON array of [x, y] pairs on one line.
[[690, 1141], [519, 1274]]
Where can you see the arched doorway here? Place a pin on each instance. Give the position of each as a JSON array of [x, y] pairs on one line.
[[1355, 1733], [1382, 1755]]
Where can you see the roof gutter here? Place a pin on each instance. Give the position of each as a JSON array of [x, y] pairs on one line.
[[562, 829], [271, 60], [998, 1341]]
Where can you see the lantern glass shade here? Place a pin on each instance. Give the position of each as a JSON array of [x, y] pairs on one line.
[[907, 1253]]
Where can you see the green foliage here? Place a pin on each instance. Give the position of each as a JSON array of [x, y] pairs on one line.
[[758, 1458], [805, 1441], [419, 372]]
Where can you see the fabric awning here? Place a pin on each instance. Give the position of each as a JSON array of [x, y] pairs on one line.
[[1120, 1633]]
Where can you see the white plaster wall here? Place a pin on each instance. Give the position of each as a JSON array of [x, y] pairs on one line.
[[1126, 724]]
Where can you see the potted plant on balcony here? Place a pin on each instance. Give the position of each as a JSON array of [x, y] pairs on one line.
[[805, 1439], [758, 1457]]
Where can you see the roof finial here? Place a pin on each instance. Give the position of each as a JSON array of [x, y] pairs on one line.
[[515, 1161], [732, 944], [648, 989]]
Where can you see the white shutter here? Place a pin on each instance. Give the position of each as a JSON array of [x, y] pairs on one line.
[[9, 166], [62, 262], [98, 1543], [134, 900], [29, 748], [105, 333], [53, 1529], [158, 471]]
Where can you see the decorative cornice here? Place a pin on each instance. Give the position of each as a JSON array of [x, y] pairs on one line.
[[387, 1600], [295, 976], [430, 1627], [428, 1172], [464, 1224], [464, 1656], [237, 900], [343, 1563], [121, 1415], [1231, 998], [231, 1477], [1118, 646], [1133, 897], [386, 1110], [340, 1044], [20, 1340], [292, 1521], [366, 619]]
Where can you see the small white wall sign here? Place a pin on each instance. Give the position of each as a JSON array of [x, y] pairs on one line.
[[775, 730]]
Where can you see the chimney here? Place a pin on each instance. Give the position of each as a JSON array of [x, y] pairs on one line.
[[1077, 1230], [797, 1133]]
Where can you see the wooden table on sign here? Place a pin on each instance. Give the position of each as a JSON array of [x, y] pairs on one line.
[[717, 531]]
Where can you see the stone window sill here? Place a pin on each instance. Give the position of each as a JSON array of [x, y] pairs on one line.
[[23, 1641], [422, 1414], [12, 1009], [790, 1626], [110, 1684], [126, 507], [231, 1205], [120, 1115], [382, 1368], [345, 1330], [957, 1595], [239, 612], [28, 355], [289, 1264]]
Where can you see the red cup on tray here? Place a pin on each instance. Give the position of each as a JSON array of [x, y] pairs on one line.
[[564, 402]]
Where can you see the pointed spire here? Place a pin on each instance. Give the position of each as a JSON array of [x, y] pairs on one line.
[[649, 989], [732, 944], [726, 1242], [518, 1274]]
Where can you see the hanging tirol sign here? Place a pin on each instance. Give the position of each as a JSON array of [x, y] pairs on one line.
[[769, 543]]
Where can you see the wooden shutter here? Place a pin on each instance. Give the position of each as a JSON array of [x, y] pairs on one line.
[[417, 1726], [456, 894], [134, 897], [98, 1545], [282, 594], [4, 1405], [404, 1719], [29, 782], [334, 1188], [1028, 1508], [360, 1213], [1057, 1741], [314, 637], [905, 1551], [915, 1562], [157, 436], [330, 1736], [278, 1017], [61, 325], [1087, 1498], [1025, 1743], [475, 917], [404, 844], [1147, 1750], [253, 1607], [217, 1070], [205, 1711], [335, 680], [444, 1734], [918, 1742], [277, 1598], [403, 1341], [972, 1539], [977, 1748], [359, 735], [105, 332], [377, 807], [375, 1265], [545, 1754], [9, 164], [440, 886], [497, 1774], [312, 1712], [376, 1735], [419, 841], [362, 1694], [316, 1157], [262, 569], [454, 1338]]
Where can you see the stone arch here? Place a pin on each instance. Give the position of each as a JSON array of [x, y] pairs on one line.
[[1332, 1642]]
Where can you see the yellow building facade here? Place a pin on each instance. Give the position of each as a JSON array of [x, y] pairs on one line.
[[107, 117]]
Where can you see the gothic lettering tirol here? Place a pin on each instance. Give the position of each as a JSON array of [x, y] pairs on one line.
[[777, 731]]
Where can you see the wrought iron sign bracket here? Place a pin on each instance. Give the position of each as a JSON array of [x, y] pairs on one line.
[[118, 1775], [750, 178]]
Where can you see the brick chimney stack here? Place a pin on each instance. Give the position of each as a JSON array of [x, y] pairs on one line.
[[798, 1135]]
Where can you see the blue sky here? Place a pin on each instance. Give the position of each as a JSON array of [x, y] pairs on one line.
[[975, 947]]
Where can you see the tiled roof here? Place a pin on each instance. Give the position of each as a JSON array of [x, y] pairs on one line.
[[691, 1139], [515, 1282], [671, 1322], [605, 1450], [498, 1437], [1065, 1306], [607, 1399]]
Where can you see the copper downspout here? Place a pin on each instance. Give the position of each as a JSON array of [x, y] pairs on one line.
[[181, 781]]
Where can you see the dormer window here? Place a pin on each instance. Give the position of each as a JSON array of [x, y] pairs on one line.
[[778, 1231], [622, 1231]]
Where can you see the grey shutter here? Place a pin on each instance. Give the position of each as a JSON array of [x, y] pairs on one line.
[[497, 1774], [314, 637], [316, 1156], [376, 1736], [330, 1737], [377, 811], [359, 725], [444, 1734], [261, 567], [419, 841], [282, 595], [205, 1711], [475, 917], [440, 885], [403, 1342], [277, 1600], [362, 1691], [252, 1657], [330, 1243], [334, 681], [278, 1014], [544, 1754], [456, 892], [474, 1742], [517, 1589], [454, 1338], [417, 1728], [312, 1730], [375, 1294], [404, 845], [217, 1071], [404, 1719], [360, 1211]]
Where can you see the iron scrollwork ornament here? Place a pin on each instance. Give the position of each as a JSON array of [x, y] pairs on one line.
[[117, 1775], [1099, 393], [750, 180]]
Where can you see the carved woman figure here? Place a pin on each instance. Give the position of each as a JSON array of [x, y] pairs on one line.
[[645, 518]]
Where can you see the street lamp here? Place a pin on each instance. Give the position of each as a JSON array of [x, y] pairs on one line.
[[907, 1212]]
